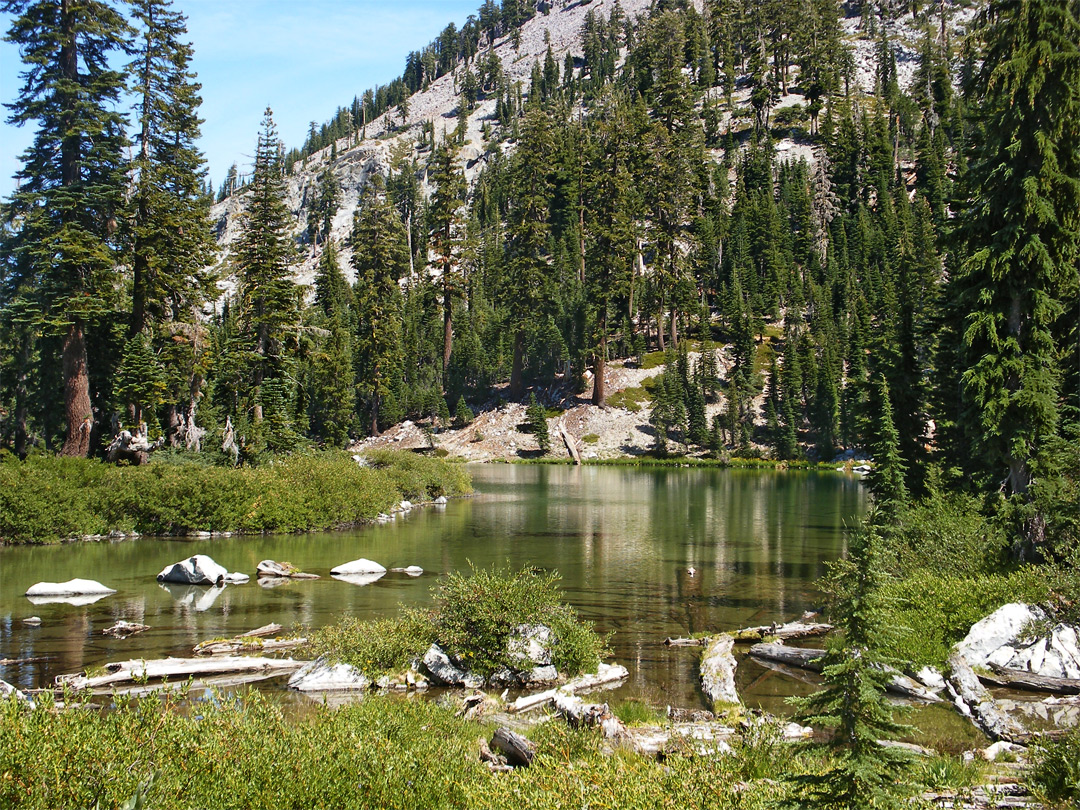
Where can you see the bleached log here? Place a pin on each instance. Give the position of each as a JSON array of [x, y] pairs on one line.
[[135, 448], [1015, 679], [246, 644], [811, 658], [718, 671], [580, 714], [791, 630], [980, 704], [517, 750], [606, 675], [571, 444], [141, 669]]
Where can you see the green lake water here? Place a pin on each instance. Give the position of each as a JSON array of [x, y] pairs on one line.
[[622, 539]]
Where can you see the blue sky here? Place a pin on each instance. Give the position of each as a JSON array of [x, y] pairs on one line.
[[304, 58]]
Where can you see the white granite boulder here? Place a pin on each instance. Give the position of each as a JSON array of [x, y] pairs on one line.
[[1001, 627], [196, 570], [73, 587], [530, 645], [361, 566], [322, 676]]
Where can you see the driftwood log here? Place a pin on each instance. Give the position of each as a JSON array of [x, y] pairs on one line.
[[717, 671], [569, 441], [606, 675], [517, 750], [790, 630], [1029, 681], [134, 448], [811, 658], [141, 669], [580, 714], [974, 700]]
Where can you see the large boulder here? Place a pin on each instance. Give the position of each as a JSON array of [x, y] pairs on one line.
[[196, 570], [1001, 627], [1056, 655], [73, 587], [360, 566], [322, 676], [443, 670], [530, 646]]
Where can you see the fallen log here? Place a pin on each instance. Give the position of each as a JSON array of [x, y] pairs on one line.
[[606, 675], [811, 658], [247, 644], [580, 714], [143, 670], [790, 630], [1015, 679], [571, 445], [517, 750], [975, 701], [717, 671]]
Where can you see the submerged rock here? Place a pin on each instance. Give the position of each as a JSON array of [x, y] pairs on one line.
[[412, 570], [196, 570], [73, 587]]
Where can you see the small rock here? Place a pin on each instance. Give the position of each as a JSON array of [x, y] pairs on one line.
[[440, 500], [991, 753], [930, 678], [32, 620], [123, 629], [236, 578], [405, 506], [412, 570], [441, 668]]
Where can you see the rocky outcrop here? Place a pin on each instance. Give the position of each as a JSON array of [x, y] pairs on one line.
[[196, 570], [73, 587], [1003, 639]]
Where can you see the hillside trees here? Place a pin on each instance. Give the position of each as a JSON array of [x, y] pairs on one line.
[[71, 190], [1018, 283]]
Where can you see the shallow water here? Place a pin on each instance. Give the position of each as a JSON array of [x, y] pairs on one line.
[[621, 538]]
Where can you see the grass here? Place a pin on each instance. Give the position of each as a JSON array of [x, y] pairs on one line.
[[629, 398], [46, 499], [590, 438]]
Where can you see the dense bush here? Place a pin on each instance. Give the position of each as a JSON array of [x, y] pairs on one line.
[[473, 619], [1055, 770], [46, 499]]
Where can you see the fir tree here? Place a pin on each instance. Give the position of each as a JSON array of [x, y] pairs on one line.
[[172, 244], [1021, 232], [853, 704], [445, 219], [536, 419], [887, 477], [268, 311], [71, 181]]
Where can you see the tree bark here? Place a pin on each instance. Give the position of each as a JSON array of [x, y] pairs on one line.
[[516, 386], [77, 408], [448, 322], [599, 394]]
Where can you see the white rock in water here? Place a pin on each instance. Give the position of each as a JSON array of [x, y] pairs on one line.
[[1000, 628], [73, 587], [440, 500], [236, 578], [197, 570], [405, 506], [322, 676], [412, 570], [361, 566], [32, 620], [442, 669]]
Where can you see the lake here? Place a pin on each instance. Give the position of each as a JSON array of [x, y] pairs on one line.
[[622, 539]]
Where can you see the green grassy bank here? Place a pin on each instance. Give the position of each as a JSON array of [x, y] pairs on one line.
[[47, 499]]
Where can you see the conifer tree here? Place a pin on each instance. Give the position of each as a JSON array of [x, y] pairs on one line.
[[444, 215], [536, 419], [172, 245], [268, 311], [887, 477], [71, 181], [853, 704], [1021, 232], [380, 258]]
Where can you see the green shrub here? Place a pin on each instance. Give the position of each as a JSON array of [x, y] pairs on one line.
[[1055, 769], [928, 612], [629, 398], [377, 646], [46, 499], [590, 438], [476, 615]]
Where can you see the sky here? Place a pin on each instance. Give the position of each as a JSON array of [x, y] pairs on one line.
[[303, 58]]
